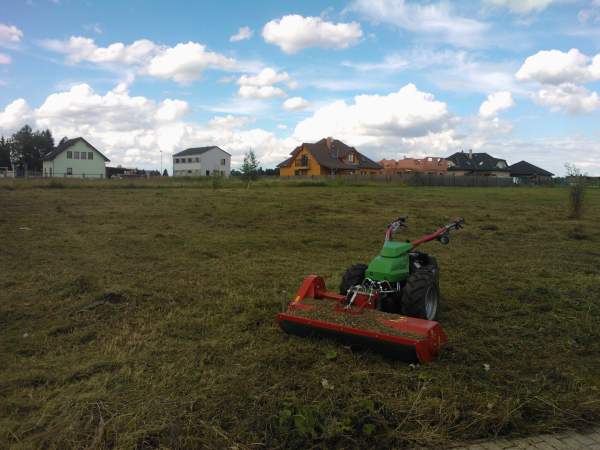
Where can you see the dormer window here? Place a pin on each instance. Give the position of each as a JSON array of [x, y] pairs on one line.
[[350, 158], [332, 155], [363, 159]]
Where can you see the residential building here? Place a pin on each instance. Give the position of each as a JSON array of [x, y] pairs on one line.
[[430, 164], [327, 157], [201, 161], [526, 171], [478, 164], [75, 158]]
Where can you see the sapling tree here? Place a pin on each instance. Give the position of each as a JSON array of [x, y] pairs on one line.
[[577, 189], [250, 168], [217, 179]]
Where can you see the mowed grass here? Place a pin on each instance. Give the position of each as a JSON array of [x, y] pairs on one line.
[[145, 318]]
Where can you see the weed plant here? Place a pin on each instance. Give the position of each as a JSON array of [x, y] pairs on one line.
[[145, 317]]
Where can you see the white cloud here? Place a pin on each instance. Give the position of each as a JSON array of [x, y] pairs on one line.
[[183, 63], [133, 130], [265, 78], [186, 62], [526, 6], [571, 99], [265, 92], [282, 127], [495, 103], [10, 33], [556, 67], [433, 19], [585, 15], [294, 32], [4, 58], [374, 119], [293, 85], [229, 122], [243, 33], [296, 104], [226, 79]]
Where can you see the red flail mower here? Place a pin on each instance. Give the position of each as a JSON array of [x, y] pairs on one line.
[[389, 306]]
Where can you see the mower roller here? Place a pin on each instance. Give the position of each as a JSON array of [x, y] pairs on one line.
[[389, 307]]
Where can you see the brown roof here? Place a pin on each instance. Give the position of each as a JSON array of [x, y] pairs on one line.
[[332, 157], [62, 147]]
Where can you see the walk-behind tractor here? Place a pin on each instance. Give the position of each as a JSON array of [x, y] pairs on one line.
[[389, 306]]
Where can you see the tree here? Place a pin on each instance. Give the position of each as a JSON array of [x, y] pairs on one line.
[[165, 173], [27, 147], [217, 179], [250, 168], [5, 153], [577, 190]]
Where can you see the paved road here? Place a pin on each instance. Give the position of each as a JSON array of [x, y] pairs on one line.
[[564, 441]]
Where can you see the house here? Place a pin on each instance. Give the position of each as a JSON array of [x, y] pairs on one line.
[[201, 161], [527, 171], [478, 164], [430, 164], [327, 157], [74, 158]]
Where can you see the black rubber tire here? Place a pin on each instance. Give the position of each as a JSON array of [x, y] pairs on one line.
[[355, 274], [414, 296]]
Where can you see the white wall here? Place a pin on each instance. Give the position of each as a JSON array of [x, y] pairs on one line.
[[208, 161]]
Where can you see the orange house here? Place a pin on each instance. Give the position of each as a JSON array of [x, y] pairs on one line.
[[327, 157], [430, 164]]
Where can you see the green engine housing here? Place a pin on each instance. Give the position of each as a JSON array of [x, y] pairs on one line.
[[391, 264]]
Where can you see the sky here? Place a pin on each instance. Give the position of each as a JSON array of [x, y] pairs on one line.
[[142, 80]]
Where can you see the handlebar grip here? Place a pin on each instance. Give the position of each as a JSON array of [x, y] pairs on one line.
[[401, 219], [461, 220]]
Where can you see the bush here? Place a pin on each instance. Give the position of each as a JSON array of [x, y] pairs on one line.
[[577, 190]]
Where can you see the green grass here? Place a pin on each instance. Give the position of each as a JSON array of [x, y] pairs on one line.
[[141, 314]]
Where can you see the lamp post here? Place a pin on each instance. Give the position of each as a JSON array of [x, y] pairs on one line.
[[161, 163]]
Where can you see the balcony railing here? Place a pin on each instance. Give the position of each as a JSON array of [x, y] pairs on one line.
[[304, 163]]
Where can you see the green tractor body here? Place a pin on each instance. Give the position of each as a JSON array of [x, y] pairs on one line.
[[392, 264]]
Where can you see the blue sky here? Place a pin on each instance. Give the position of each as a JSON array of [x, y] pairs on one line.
[[515, 78]]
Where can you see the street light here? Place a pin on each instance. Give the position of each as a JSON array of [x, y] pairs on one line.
[[161, 163]]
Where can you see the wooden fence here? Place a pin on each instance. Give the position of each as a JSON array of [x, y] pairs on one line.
[[416, 179]]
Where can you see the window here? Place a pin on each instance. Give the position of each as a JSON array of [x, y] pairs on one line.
[[90, 155], [83, 155], [430, 172], [208, 173], [197, 159], [350, 158], [417, 162], [189, 160], [222, 162], [332, 155], [407, 171], [69, 155], [76, 155], [189, 171], [429, 159], [176, 160], [363, 173], [363, 159], [296, 172], [70, 170]]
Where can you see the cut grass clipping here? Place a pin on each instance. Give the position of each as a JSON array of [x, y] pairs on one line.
[[143, 316]]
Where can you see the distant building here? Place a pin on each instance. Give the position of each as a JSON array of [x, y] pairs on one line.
[[74, 158], [478, 164], [327, 157], [201, 161], [526, 171], [430, 164]]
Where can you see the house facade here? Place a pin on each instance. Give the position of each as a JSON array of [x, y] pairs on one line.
[[430, 164], [201, 161], [478, 164], [75, 158], [327, 157]]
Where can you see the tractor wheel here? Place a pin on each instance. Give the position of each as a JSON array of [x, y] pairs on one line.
[[421, 296], [354, 275]]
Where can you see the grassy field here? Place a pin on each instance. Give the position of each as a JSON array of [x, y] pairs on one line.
[[142, 315]]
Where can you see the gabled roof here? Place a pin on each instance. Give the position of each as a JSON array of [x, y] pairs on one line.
[[332, 157], [523, 168], [62, 147], [198, 151], [481, 162]]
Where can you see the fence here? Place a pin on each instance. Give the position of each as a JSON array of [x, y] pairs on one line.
[[416, 179]]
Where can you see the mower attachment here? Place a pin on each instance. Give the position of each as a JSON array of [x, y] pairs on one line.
[[398, 337]]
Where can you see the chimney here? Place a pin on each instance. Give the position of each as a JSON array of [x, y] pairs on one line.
[[470, 154], [329, 142]]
